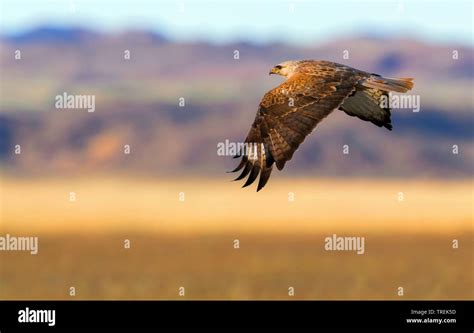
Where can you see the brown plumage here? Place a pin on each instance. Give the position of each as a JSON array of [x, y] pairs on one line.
[[312, 90]]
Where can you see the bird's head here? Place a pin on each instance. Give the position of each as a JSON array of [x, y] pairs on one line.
[[286, 68]]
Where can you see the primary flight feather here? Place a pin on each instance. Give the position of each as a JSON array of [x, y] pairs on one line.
[[312, 90]]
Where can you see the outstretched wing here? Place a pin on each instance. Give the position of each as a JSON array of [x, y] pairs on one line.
[[366, 103], [289, 112]]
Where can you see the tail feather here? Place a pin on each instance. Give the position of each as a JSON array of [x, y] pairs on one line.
[[389, 84]]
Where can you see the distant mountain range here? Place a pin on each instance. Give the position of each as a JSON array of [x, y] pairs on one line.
[[70, 35], [138, 79]]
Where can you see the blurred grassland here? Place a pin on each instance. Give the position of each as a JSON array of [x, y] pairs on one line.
[[217, 204], [264, 267], [190, 243]]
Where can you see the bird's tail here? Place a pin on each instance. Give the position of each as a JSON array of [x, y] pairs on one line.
[[389, 84]]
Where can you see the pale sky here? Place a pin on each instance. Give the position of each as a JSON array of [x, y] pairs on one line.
[[253, 20]]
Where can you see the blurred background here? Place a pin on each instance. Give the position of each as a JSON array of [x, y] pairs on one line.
[[408, 191]]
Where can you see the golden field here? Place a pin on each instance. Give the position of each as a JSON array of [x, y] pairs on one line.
[[190, 242]]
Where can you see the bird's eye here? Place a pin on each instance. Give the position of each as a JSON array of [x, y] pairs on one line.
[[278, 67]]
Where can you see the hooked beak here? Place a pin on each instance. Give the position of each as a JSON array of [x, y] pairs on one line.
[[272, 71]]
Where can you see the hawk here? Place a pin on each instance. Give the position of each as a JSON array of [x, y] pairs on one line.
[[291, 111]]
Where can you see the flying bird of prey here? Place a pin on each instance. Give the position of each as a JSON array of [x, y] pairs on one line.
[[312, 90]]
